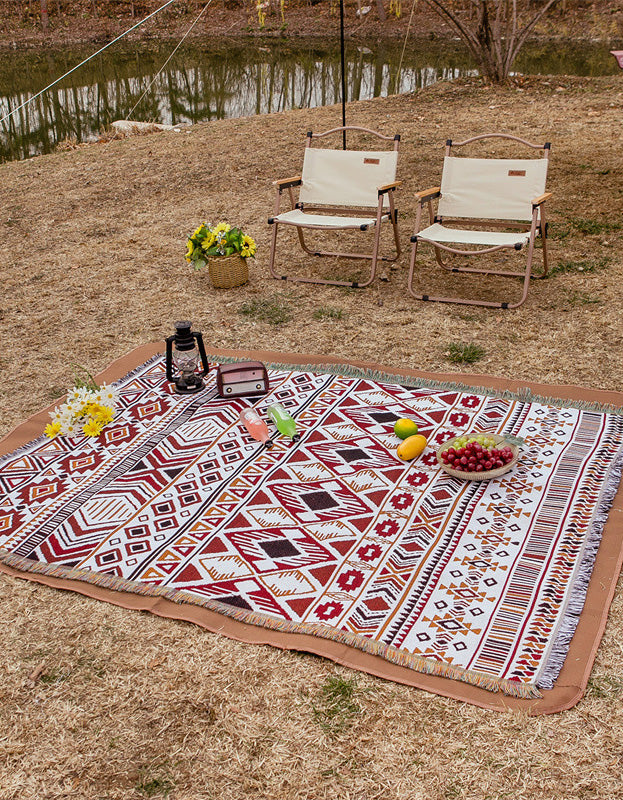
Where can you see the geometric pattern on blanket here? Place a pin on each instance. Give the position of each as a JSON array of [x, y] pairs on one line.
[[333, 535]]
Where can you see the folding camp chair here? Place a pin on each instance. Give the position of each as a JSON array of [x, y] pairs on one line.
[[338, 190], [495, 204]]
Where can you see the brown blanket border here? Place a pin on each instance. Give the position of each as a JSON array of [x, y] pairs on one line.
[[572, 681]]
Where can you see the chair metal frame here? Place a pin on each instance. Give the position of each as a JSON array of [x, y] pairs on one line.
[[385, 212], [536, 226]]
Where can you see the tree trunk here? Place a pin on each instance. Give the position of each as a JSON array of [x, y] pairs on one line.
[[381, 10], [489, 63], [45, 19]]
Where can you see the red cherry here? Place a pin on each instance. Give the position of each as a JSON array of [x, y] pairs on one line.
[[488, 464]]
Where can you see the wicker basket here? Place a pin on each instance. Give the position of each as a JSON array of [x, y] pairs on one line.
[[228, 271]]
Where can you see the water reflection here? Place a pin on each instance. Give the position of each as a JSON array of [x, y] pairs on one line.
[[219, 80]]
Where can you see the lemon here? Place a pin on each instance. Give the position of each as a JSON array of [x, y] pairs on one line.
[[403, 428], [412, 447]]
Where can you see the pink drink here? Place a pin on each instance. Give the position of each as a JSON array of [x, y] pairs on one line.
[[256, 426]]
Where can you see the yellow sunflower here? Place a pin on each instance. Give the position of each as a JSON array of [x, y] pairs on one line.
[[248, 247], [207, 243]]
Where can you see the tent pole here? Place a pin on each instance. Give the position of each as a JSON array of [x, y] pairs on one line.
[[343, 73]]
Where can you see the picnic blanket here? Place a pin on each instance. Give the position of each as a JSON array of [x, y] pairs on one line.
[[332, 544]]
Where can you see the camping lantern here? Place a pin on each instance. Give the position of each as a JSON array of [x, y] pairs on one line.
[[184, 352]]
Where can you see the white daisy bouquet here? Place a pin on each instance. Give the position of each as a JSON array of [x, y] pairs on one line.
[[222, 239], [87, 410]]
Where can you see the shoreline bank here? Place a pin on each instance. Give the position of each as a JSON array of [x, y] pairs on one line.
[[299, 24]]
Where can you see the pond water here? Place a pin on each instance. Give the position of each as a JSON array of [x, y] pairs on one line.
[[231, 79]]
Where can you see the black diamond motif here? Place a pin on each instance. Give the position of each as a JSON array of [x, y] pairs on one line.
[[318, 501], [450, 624], [235, 600], [384, 416], [352, 454], [279, 548]]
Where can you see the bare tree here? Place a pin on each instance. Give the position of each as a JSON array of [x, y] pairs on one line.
[[494, 30]]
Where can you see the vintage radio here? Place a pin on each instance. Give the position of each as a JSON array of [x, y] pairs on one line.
[[242, 378]]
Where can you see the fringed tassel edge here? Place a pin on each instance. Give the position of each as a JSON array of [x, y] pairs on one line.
[[524, 394], [490, 683], [575, 604]]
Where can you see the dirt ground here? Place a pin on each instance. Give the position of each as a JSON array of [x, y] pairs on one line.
[[126, 705]]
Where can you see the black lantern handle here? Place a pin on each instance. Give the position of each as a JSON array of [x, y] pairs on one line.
[[169, 340], [204, 359]]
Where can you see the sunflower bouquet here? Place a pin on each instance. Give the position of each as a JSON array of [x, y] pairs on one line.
[[222, 239]]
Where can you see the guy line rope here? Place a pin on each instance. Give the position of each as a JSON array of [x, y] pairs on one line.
[[101, 50], [404, 45]]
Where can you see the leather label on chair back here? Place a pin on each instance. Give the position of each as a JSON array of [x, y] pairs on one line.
[[491, 188], [348, 178]]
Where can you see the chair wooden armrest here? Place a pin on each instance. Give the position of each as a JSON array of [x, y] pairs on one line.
[[286, 183], [427, 195], [541, 199], [389, 187]]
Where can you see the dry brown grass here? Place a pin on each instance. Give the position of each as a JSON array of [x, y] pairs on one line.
[[100, 702]]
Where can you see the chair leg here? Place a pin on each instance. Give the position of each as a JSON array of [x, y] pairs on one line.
[[273, 247], [303, 245], [440, 260], [374, 258], [543, 225], [545, 262], [462, 301]]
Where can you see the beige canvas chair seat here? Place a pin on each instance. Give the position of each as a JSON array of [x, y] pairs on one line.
[[305, 220], [340, 190], [487, 203], [440, 234]]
